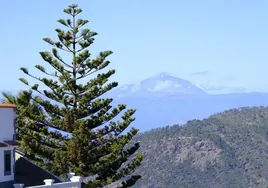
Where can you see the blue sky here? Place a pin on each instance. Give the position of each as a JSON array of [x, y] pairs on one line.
[[220, 45]]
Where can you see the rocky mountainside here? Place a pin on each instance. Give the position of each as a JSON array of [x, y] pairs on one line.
[[228, 149]]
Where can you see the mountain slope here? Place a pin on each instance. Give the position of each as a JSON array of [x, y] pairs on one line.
[[226, 150]]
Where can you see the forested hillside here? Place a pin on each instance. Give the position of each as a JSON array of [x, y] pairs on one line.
[[228, 149]]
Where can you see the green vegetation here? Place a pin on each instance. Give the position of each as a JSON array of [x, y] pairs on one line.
[[69, 102], [228, 149], [69, 127]]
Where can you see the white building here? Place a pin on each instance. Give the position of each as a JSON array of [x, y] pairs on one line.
[[7, 144], [15, 169]]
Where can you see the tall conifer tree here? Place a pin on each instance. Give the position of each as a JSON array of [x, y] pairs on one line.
[[72, 103]]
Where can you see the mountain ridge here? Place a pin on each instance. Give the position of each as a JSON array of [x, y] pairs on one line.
[[227, 149]]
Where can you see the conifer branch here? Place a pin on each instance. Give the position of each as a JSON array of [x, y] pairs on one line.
[[55, 53]]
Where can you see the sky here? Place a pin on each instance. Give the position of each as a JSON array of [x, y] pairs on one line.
[[221, 46]]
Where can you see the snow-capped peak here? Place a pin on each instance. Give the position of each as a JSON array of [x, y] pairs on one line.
[[160, 85]]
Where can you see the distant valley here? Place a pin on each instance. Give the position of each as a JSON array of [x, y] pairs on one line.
[[165, 100]]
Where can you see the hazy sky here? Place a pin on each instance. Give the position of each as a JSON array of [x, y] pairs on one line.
[[217, 44]]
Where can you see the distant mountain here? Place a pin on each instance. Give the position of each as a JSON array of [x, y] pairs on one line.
[[164, 100], [161, 85], [227, 150]]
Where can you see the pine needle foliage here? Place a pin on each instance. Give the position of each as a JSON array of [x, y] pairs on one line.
[[72, 103]]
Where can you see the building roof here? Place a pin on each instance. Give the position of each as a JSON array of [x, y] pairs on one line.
[[30, 174], [11, 142], [2, 145], [7, 105], [8, 143]]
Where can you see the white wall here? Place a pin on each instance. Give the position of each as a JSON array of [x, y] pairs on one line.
[[7, 116], [4, 178]]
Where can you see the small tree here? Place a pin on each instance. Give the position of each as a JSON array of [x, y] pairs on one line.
[[71, 105]]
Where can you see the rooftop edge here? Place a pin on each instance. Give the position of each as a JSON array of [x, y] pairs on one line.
[[7, 105]]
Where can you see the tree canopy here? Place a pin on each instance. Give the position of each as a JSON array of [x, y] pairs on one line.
[[68, 126]]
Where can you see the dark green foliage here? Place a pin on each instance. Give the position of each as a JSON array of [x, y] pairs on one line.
[[69, 101], [226, 150]]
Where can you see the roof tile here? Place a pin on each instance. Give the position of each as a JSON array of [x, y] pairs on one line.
[[2, 145], [11, 142], [7, 105]]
